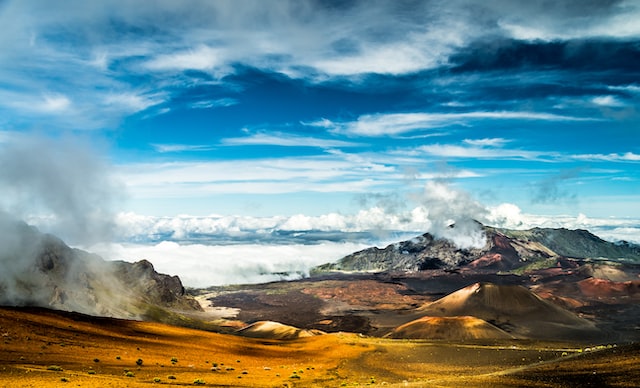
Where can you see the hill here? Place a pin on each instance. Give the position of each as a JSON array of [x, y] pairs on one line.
[[275, 330], [513, 309], [39, 269], [458, 329]]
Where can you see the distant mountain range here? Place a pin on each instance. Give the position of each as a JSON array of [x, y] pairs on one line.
[[504, 250]]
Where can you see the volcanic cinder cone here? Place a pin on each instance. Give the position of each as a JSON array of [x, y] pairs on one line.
[[275, 330], [513, 309], [449, 328]]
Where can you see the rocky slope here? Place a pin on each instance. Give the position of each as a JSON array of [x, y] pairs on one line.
[[41, 270], [504, 250]]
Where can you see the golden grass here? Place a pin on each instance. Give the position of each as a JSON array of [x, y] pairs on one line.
[[36, 339], [98, 352]]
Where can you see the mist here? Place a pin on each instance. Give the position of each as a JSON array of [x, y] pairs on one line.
[[63, 184]]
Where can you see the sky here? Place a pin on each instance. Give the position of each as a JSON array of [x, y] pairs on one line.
[[248, 116]]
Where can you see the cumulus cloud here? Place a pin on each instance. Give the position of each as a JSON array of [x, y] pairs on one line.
[[115, 45]]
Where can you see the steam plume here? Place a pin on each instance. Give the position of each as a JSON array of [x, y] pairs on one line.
[[64, 185], [61, 182], [453, 214]]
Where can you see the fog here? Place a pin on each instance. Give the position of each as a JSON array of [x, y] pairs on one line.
[[63, 183], [200, 265]]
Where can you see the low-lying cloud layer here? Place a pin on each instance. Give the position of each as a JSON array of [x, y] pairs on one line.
[[216, 250]]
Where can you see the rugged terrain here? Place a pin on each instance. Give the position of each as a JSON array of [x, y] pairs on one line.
[[537, 308], [39, 269], [539, 284], [47, 348]]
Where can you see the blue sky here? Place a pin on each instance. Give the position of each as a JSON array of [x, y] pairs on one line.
[[266, 108]]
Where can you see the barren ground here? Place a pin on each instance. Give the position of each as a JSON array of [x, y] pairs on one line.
[[44, 348]]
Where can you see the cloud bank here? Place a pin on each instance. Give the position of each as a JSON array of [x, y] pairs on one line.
[[216, 250]]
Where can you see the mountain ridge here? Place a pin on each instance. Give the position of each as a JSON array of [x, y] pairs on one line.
[[504, 250]]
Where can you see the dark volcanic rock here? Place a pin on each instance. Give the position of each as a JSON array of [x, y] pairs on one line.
[[157, 288], [420, 253]]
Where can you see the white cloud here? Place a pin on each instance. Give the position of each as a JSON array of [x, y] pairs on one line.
[[287, 140], [163, 148], [132, 102], [510, 216], [392, 124], [632, 88], [608, 101], [568, 21], [219, 103], [55, 103], [208, 265], [221, 255], [613, 157], [117, 45], [203, 57], [486, 142]]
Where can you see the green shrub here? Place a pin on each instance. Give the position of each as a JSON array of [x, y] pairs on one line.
[[129, 374], [156, 379], [199, 382], [55, 368]]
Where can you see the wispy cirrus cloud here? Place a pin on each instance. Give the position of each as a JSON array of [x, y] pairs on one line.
[[166, 148], [487, 142], [218, 103], [287, 140], [614, 157], [394, 124], [453, 151]]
